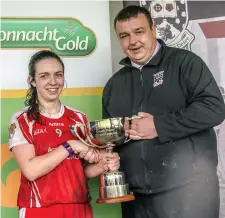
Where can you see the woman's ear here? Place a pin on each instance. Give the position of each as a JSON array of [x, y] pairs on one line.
[[31, 81]]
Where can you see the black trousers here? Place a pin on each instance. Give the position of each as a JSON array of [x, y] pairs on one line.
[[199, 199]]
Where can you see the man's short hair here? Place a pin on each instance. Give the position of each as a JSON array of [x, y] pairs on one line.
[[132, 11]]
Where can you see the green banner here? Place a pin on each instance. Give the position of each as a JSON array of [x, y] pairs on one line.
[[65, 36]]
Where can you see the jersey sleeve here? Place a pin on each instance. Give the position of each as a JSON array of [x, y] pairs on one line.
[[16, 137]]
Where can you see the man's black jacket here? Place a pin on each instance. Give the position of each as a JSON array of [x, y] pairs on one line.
[[178, 89]]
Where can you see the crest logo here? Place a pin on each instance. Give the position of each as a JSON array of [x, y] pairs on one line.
[[158, 78], [171, 20], [12, 130]]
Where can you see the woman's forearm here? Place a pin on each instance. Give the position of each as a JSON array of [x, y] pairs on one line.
[[93, 170], [41, 165], [34, 167]]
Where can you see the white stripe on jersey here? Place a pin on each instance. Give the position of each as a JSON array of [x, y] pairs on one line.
[[37, 189], [79, 113], [36, 197], [22, 213], [80, 116], [31, 195], [30, 125], [25, 133]]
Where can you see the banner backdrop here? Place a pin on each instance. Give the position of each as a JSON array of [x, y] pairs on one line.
[[79, 32]]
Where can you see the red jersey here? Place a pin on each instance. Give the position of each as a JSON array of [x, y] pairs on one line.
[[67, 182]]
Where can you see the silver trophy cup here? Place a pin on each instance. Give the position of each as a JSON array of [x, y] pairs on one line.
[[101, 133]]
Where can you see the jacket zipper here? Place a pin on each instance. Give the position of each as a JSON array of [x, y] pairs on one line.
[[141, 81]]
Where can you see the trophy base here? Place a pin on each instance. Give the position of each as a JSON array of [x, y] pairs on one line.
[[113, 188], [129, 197]]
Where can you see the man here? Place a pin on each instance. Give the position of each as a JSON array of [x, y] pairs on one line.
[[220, 130], [171, 162]]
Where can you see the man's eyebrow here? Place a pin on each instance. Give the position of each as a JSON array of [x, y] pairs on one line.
[[123, 33], [137, 29]]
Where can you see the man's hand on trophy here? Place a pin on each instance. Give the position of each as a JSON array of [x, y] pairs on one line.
[[142, 127], [127, 124], [92, 155]]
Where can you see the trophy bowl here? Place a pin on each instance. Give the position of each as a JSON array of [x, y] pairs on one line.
[[101, 133], [107, 131]]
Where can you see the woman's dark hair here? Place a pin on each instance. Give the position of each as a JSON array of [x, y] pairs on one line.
[[133, 11], [31, 98]]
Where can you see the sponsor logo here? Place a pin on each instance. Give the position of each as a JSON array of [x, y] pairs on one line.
[[56, 124], [65, 36], [39, 131]]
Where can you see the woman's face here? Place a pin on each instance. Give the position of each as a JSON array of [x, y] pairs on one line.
[[49, 79]]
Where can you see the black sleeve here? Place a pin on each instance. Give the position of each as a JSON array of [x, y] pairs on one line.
[[105, 99], [205, 108], [105, 114]]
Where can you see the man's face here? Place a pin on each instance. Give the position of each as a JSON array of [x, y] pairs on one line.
[[137, 39]]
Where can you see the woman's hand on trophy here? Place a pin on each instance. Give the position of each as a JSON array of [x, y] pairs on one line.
[[110, 161], [114, 162], [103, 163], [89, 154], [92, 155]]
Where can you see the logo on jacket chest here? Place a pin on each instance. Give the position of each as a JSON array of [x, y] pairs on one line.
[[158, 78]]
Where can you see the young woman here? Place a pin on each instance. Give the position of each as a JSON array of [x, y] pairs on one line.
[[51, 159]]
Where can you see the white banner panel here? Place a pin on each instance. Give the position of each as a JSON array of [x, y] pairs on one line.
[[92, 70]]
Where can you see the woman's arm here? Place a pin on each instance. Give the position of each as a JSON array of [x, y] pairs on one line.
[[33, 166]]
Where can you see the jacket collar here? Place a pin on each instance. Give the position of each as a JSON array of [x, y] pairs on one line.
[[154, 61]]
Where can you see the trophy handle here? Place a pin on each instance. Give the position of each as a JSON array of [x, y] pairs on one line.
[[90, 143], [79, 137], [129, 119], [127, 139]]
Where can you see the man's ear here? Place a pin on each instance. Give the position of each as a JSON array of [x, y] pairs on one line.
[[31, 81], [154, 30]]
